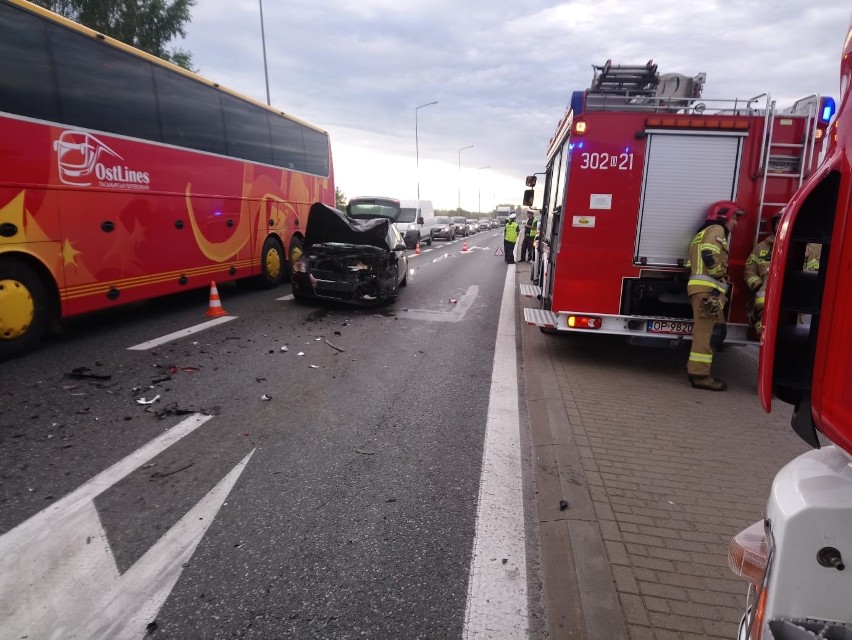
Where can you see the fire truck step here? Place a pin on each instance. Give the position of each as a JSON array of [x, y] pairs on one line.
[[540, 318], [530, 291]]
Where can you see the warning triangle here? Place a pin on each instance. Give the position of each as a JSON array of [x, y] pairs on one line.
[[499, 252]]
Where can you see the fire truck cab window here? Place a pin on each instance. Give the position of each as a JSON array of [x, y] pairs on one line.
[[117, 97], [26, 73], [190, 113]]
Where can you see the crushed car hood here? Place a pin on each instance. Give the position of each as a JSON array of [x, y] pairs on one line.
[[326, 225]]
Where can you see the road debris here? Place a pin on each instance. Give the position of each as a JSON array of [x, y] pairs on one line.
[[157, 474], [170, 409], [313, 366], [84, 373], [365, 452], [563, 504], [266, 397], [301, 353], [284, 348], [144, 401], [334, 347]]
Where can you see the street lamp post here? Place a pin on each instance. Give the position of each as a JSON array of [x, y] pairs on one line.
[[470, 146], [263, 42], [479, 184], [417, 145]]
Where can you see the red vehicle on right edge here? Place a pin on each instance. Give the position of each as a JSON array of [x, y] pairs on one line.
[[634, 164], [796, 557]]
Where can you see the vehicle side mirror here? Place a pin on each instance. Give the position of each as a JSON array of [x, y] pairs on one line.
[[400, 247], [420, 220], [529, 194], [531, 180]]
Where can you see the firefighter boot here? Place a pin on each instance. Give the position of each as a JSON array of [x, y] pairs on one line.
[[707, 382]]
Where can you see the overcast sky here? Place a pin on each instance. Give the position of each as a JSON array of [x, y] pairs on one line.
[[502, 73]]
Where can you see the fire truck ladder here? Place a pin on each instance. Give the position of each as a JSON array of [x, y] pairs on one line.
[[786, 160]]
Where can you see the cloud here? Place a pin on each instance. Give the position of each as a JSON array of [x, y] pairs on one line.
[[502, 73]]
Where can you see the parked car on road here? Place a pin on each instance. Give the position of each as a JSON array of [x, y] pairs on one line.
[[443, 227], [472, 226], [484, 224], [495, 223], [361, 261]]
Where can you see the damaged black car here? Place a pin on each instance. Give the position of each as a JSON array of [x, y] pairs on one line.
[[358, 261]]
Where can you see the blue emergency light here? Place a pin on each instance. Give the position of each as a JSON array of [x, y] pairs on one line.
[[827, 108]]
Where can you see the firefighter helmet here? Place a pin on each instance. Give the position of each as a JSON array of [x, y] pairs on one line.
[[723, 210]]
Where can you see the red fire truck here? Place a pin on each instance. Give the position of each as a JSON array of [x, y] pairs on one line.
[[631, 170]]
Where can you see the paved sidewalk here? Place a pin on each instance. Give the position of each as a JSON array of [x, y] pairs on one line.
[[657, 477]]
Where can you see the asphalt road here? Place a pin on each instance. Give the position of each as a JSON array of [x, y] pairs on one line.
[[349, 502]]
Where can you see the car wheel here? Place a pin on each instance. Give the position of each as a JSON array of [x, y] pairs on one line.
[[26, 308], [271, 263]]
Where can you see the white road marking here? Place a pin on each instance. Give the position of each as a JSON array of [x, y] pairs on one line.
[[497, 592], [60, 579], [180, 334], [287, 297], [456, 314]]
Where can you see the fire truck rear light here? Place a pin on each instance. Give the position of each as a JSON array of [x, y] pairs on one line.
[[580, 127], [748, 553], [584, 322]]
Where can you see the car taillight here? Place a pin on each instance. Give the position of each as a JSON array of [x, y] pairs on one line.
[[584, 322], [748, 553]]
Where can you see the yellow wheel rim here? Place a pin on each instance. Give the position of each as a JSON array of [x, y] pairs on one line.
[[295, 255], [16, 309], [273, 263]]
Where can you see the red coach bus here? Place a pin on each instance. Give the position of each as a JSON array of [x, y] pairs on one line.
[[124, 177]]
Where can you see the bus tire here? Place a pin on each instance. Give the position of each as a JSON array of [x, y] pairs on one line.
[[272, 263], [24, 308], [294, 254]]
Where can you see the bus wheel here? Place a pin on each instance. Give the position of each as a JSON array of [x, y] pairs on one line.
[[24, 308], [295, 253], [271, 263]]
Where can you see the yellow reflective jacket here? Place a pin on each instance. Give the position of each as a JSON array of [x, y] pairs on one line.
[[708, 261], [511, 231], [757, 264], [813, 253]]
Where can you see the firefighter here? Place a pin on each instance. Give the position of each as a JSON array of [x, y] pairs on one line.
[[510, 237], [530, 232], [756, 272], [708, 291]]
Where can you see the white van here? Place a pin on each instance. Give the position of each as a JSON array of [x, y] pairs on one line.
[[414, 222]]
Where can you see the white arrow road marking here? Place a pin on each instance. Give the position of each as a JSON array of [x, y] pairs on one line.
[[59, 577], [455, 315]]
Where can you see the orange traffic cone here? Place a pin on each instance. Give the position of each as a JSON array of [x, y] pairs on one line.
[[464, 245], [215, 309], [417, 249]]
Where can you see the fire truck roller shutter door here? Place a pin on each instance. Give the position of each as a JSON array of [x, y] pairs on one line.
[[683, 173]]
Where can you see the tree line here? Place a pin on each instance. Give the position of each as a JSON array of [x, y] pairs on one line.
[[149, 25]]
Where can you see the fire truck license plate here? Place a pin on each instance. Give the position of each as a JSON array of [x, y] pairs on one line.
[[677, 327]]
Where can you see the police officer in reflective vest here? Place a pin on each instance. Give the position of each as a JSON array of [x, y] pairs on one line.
[[510, 237], [708, 291], [530, 231], [756, 272]]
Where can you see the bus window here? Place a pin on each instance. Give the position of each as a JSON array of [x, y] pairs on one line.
[[247, 130], [288, 143], [26, 74], [316, 152], [190, 113], [103, 88]]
